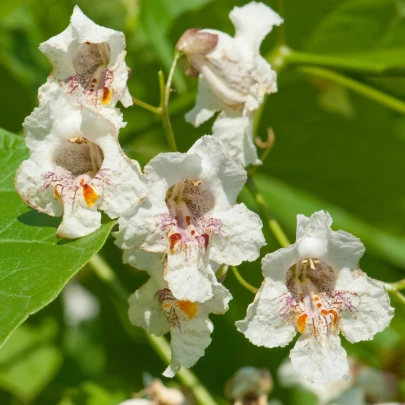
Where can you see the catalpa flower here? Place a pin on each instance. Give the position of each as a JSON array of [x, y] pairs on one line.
[[315, 287], [89, 62], [190, 215], [76, 166], [154, 308], [233, 76]]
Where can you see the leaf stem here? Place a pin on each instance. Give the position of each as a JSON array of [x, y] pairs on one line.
[[347, 63], [398, 285], [242, 281], [271, 222], [365, 90], [165, 91], [146, 106], [106, 274]]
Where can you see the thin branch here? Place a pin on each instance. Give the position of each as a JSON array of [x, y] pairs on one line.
[[270, 221], [242, 281], [365, 90]]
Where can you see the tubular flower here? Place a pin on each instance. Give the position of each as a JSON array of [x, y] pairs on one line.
[[154, 308], [316, 288], [233, 76], [76, 166], [190, 215], [89, 62]]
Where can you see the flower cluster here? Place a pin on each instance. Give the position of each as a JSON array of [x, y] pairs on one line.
[[179, 219], [76, 166]]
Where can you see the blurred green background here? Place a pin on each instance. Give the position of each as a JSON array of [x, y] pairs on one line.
[[335, 149]]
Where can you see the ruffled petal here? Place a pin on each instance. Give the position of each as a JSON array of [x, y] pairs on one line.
[[316, 239], [218, 304], [264, 325], [140, 228], [205, 106], [240, 237], [168, 169], [188, 344], [187, 277], [235, 131], [320, 361], [144, 260], [369, 311], [145, 311], [222, 174], [276, 264], [252, 23]]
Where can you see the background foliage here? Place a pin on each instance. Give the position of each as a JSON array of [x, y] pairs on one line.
[[337, 148]]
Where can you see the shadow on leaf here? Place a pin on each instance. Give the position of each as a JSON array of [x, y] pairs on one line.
[[34, 218]]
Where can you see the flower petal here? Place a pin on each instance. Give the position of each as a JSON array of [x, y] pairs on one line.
[[316, 239], [221, 173], [206, 104], [372, 312], [240, 237], [320, 361], [189, 343], [252, 23], [144, 260], [145, 311], [235, 131], [187, 277], [276, 264], [264, 325]]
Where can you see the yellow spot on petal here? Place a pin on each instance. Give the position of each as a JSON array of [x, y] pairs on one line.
[[56, 193], [106, 95], [302, 322], [90, 196], [188, 307]]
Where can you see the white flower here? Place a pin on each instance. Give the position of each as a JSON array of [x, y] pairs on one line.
[[315, 287], [189, 213], [154, 308], [76, 165], [234, 77], [89, 62]]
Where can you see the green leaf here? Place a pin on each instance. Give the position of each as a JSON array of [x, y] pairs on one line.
[[286, 202], [29, 360], [34, 264]]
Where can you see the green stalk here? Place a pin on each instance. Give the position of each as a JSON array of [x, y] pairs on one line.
[[360, 88], [270, 221]]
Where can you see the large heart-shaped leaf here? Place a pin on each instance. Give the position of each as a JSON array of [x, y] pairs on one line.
[[34, 264]]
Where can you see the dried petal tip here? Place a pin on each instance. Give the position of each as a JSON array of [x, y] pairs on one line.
[[197, 42]]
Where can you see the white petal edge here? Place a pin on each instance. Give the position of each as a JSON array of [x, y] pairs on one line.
[[320, 362], [263, 325], [373, 312], [235, 131], [240, 236]]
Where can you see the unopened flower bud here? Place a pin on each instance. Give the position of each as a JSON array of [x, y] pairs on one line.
[[197, 42]]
